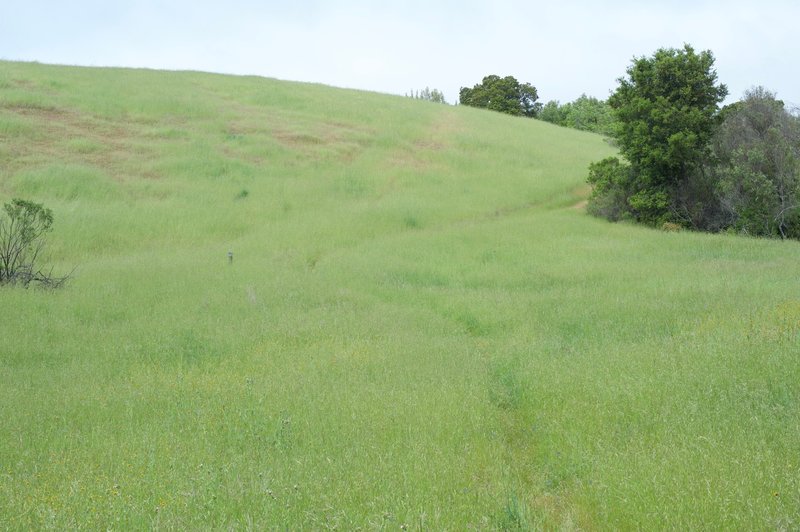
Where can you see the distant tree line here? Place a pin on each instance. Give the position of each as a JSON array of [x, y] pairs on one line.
[[507, 95], [430, 95], [686, 162], [585, 113]]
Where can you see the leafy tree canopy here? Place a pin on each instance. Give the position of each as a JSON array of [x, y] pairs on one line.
[[666, 107], [506, 95], [666, 110]]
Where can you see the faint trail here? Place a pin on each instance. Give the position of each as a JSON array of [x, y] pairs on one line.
[[582, 192]]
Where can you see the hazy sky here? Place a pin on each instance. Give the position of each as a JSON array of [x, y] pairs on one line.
[[563, 47]]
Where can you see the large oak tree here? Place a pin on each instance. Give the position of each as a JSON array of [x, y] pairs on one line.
[[665, 109], [506, 95]]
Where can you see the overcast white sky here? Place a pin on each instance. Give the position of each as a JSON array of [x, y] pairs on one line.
[[563, 47]]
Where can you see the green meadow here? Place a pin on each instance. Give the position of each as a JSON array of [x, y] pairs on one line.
[[420, 329]]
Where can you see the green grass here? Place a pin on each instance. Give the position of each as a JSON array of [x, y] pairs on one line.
[[418, 329]]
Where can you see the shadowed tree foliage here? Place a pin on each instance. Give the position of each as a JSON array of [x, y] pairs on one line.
[[758, 166], [506, 95]]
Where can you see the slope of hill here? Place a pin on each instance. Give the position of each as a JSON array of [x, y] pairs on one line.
[[416, 330]]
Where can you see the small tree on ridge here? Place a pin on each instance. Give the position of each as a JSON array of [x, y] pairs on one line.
[[506, 95]]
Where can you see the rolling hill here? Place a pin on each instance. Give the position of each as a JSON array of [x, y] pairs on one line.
[[419, 328]]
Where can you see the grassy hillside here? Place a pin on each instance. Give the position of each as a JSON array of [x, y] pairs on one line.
[[419, 329]]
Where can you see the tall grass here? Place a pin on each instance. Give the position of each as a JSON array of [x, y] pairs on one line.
[[418, 329]]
